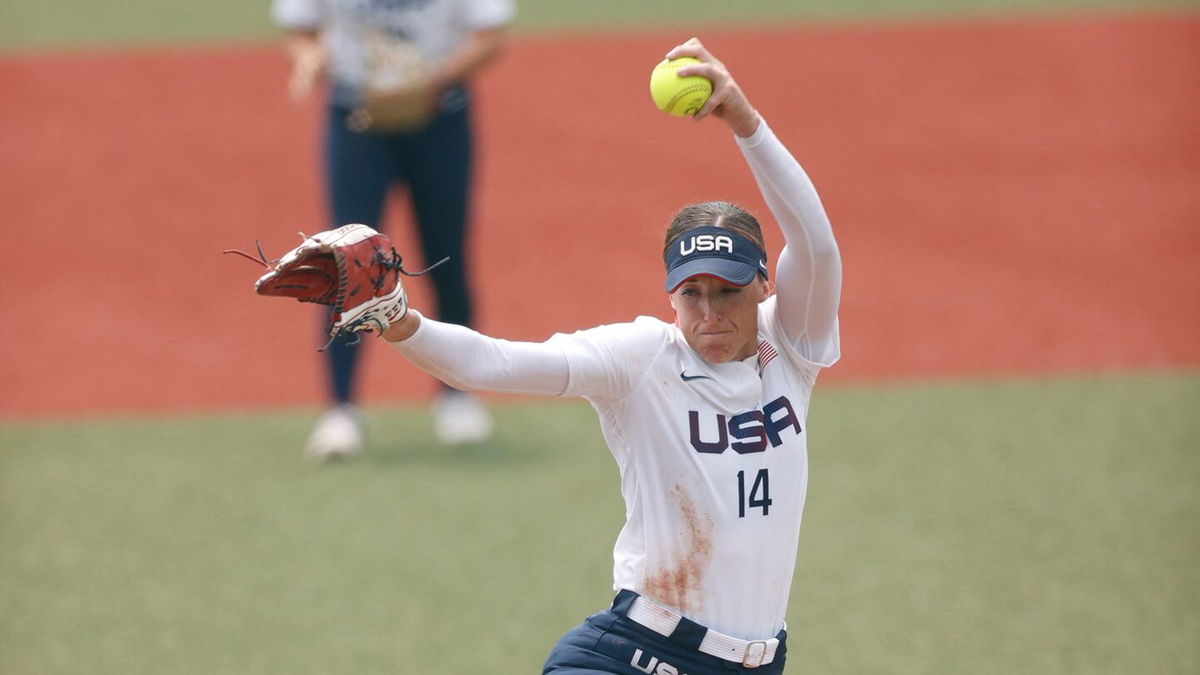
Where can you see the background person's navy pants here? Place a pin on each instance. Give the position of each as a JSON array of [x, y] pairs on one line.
[[608, 642], [435, 166]]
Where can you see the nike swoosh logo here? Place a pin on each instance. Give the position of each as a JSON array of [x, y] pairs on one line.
[[688, 378]]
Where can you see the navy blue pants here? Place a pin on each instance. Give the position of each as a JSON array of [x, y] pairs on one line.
[[610, 643], [434, 164]]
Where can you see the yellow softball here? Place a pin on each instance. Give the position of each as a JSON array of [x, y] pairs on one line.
[[675, 95]]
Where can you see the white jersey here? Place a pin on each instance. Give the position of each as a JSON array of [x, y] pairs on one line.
[[713, 457], [430, 29], [713, 462]]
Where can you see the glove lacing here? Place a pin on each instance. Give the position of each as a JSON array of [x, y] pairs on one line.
[[389, 260]]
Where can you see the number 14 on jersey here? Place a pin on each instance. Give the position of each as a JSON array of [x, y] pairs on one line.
[[759, 495]]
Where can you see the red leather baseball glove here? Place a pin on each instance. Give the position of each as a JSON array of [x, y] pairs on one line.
[[353, 269]]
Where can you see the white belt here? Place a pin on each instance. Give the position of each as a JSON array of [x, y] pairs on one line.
[[749, 653]]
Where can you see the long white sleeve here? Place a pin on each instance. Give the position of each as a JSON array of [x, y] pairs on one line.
[[467, 360], [808, 276]]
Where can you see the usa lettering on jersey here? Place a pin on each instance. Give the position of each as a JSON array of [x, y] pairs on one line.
[[752, 431]]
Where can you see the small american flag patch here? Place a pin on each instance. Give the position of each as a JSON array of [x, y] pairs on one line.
[[766, 354]]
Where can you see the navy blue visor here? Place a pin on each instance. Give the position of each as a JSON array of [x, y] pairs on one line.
[[713, 252]]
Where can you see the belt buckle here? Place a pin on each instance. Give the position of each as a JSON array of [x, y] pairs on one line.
[[750, 661]]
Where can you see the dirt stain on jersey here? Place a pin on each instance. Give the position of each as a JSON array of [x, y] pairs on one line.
[[679, 586]]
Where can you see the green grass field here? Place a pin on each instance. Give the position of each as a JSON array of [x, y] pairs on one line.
[[1018, 526], [59, 23]]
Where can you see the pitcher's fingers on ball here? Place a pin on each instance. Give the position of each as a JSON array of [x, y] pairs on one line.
[[691, 47], [723, 87], [710, 67], [726, 96]]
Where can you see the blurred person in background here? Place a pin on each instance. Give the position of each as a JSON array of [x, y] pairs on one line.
[[398, 114]]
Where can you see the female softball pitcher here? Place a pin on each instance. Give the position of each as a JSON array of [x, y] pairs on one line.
[[705, 417]]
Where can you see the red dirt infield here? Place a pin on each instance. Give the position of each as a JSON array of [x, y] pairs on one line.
[[1018, 196]]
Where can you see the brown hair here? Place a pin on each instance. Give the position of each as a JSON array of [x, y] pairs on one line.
[[715, 214]]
